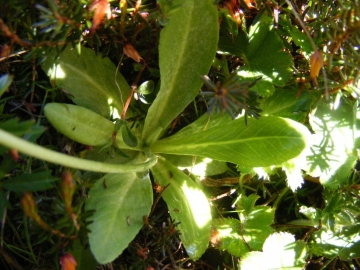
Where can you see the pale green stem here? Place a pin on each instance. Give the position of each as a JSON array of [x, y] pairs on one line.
[[31, 149]]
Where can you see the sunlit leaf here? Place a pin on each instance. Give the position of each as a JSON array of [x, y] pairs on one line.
[[331, 155], [345, 244], [120, 201], [264, 142], [186, 203], [280, 251]]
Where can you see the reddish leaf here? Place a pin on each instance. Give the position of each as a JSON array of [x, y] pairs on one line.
[[100, 7], [130, 51], [316, 63]]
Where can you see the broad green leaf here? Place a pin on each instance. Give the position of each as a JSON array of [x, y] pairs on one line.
[[262, 52], [186, 203], [332, 154], [30, 182], [119, 213], [249, 233], [280, 251], [80, 124], [89, 78], [284, 103], [264, 142], [186, 50]]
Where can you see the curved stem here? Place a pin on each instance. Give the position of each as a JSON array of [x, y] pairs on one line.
[[31, 149]]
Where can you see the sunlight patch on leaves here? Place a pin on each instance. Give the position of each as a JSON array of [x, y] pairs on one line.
[[331, 155], [188, 204], [280, 251], [249, 233]]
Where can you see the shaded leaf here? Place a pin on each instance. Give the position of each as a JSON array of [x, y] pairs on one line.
[[264, 142], [119, 213], [89, 78], [30, 182], [129, 138], [300, 38], [284, 103], [186, 203], [262, 54], [20, 128], [80, 124], [185, 53]]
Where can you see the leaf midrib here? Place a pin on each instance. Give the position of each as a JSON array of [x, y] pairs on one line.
[[169, 144]]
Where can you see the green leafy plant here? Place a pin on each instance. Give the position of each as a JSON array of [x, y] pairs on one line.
[[114, 227], [155, 143]]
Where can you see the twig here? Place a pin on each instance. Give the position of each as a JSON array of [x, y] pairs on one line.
[[158, 198]]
